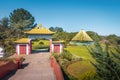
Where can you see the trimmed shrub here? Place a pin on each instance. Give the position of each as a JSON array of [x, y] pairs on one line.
[[66, 55]]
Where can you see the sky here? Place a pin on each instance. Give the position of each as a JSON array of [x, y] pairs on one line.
[[101, 16]]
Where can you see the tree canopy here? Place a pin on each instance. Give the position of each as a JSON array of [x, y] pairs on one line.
[[21, 19], [6, 36], [56, 29]]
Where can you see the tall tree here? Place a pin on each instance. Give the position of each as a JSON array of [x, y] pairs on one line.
[[6, 37], [21, 19]]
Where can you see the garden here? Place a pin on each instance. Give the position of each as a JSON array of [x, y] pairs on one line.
[[92, 62]]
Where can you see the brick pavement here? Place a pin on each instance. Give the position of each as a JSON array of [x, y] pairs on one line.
[[36, 67]]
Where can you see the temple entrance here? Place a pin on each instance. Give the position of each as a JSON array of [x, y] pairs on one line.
[[40, 37], [39, 40], [40, 45]]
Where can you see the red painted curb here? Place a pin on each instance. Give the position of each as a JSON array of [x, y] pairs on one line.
[[9, 66], [57, 69]]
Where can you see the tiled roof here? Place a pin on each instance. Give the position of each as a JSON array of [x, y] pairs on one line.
[[23, 40], [58, 42], [82, 36], [40, 30]]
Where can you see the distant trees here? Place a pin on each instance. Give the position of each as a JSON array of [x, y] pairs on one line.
[[94, 35], [56, 29], [113, 39], [21, 19], [62, 35]]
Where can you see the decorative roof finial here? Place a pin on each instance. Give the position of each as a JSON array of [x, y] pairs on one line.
[[39, 26]]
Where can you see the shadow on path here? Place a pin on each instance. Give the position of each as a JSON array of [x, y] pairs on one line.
[[39, 51], [11, 73]]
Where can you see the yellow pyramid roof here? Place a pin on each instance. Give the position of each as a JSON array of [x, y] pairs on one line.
[[40, 30], [23, 40], [82, 36]]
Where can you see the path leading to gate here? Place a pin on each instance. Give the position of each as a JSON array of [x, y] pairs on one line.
[[37, 67]]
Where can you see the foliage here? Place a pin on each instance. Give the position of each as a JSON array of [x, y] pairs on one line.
[[93, 35], [40, 44], [116, 53], [6, 37], [107, 68], [56, 29], [21, 19], [66, 55], [113, 39], [62, 35], [56, 56]]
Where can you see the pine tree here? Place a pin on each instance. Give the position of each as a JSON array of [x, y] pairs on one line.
[[21, 19], [106, 67]]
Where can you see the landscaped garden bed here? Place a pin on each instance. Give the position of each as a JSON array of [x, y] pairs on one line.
[[75, 62]]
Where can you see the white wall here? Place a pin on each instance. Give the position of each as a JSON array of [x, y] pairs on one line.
[[39, 36]]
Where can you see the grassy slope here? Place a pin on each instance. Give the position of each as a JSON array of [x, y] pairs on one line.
[[80, 69], [80, 51]]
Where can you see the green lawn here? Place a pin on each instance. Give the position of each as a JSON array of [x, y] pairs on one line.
[[81, 68], [80, 51]]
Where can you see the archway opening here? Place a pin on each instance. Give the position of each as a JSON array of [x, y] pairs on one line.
[[40, 45]]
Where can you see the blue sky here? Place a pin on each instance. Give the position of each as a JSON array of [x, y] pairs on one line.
[[101, 16]]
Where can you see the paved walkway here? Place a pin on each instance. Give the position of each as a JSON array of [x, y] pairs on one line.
[[36, 67]]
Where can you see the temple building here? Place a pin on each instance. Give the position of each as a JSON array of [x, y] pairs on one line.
[[24, 45], [39, 32], [81, 38]]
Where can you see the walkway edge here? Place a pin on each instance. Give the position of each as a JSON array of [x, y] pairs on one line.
[[56, 68]]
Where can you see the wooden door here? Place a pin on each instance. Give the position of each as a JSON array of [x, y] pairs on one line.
[[57, 48], [22, 49]]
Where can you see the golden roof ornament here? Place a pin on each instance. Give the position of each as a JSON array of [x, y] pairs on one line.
[[39, 26], [39, 29]]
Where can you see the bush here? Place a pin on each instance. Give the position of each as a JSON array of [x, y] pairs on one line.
[[41, 43], [66, 55], [55, 55]]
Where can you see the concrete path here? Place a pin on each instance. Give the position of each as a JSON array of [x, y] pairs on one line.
[[36, 67]]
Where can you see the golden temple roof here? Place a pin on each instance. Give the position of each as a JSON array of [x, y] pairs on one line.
[[40, 30], [58, 41], [23, 40], [82, 36]]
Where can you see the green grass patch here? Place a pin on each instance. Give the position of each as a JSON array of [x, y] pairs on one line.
[[80, 69], [80, 51]]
